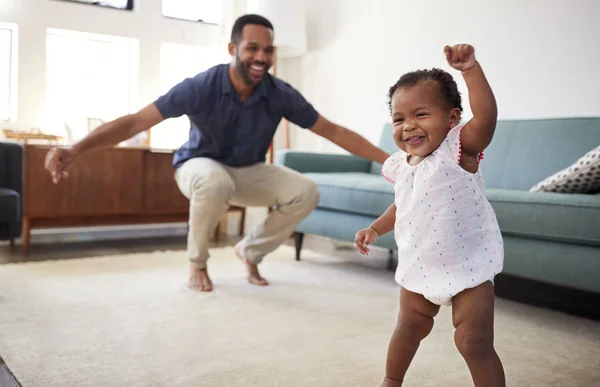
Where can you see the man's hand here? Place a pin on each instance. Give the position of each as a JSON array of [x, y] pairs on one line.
[[57, 161], [461, 57], [364, 238], [348, 140]]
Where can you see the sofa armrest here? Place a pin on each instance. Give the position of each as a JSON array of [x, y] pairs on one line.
[[11, 166], [307, 162]]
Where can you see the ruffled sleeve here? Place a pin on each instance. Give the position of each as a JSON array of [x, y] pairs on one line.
[[453, 140], [390, 167]]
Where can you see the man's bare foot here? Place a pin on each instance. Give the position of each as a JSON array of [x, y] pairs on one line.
[[253, 275], [199, 280]]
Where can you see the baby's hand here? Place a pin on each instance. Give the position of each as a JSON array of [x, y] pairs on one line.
[[461, 57], [364, 238]]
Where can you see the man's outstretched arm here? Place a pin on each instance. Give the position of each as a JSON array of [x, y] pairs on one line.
[[105, 136], [348, 140], [119, 130]]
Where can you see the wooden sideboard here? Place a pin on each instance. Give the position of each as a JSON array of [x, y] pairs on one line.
[[115, 186]]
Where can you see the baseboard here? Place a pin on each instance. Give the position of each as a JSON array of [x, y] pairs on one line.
[[536, 293], [254, 216], [103, 233]]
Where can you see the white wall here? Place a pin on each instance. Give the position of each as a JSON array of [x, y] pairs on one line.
[[541, 56], [146, 24]]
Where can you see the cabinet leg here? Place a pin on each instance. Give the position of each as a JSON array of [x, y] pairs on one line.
[[26, 234]]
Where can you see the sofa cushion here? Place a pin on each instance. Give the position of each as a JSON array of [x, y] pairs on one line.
[[355, 192], [524, 152], [570, 218], [9, 205], [544, 145]]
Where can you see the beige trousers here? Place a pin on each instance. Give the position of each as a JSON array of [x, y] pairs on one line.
[[211, 187]]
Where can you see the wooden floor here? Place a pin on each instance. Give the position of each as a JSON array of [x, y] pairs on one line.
[[377, 259]]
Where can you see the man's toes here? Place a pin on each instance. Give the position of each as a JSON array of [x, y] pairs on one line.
[[258, 281]]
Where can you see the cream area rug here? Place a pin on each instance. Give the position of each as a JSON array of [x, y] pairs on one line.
[[324, 322]]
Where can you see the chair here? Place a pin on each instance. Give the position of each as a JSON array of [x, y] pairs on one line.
[[11, 190]]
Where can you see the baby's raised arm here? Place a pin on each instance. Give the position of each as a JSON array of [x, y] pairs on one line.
[[477, 134]]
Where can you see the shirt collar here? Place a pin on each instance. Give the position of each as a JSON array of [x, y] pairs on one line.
[[227, 87]]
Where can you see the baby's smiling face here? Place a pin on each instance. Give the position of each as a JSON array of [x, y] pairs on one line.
[[421, 118]]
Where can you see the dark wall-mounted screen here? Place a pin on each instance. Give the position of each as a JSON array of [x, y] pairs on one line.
[[119, 4]]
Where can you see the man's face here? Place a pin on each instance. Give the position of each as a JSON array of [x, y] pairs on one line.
[[254, 53]]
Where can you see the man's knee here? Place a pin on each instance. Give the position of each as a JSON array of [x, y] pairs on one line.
[[473, 340], [309, 194]]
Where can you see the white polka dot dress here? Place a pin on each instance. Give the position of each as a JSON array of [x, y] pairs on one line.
[[446, 230]]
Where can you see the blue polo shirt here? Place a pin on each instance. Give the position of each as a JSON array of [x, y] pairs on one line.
[[224, 128]]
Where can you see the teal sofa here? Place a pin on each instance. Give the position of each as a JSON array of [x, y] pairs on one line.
[[551, 239]]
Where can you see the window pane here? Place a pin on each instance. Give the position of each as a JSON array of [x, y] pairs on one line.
[[88, 76], [178, 62], [207, 11], [7, 77]]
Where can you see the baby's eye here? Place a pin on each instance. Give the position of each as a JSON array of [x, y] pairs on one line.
[[398, 120], [421, 114]]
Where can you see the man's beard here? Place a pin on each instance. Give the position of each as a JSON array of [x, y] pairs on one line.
[[244, 70]]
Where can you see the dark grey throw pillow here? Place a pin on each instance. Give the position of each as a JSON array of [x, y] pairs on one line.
[[583, 176]]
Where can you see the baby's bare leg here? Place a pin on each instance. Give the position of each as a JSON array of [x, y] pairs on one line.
[[473, 318], [415, 321]]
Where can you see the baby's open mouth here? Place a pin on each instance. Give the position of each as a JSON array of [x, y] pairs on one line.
[[414, 140]]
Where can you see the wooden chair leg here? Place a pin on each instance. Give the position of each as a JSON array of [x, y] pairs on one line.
[[242, 221], [218, 233]]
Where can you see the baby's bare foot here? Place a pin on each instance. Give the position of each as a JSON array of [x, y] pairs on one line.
[[199, 280], [391, 383], [252, 269]]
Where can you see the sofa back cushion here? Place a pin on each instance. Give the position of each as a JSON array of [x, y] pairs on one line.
[[524, 152], [386, 142]]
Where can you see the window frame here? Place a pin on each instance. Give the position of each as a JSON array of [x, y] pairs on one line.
[[13, 87]]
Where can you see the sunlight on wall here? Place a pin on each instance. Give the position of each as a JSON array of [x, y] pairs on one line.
[[88, 76], [8, 71]]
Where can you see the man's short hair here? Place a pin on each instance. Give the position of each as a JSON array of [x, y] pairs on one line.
[[242, 21]]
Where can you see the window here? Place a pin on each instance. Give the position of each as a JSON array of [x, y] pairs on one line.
[[8, 72], [207, 11], [119, 4], [177, 62], [89, 78]]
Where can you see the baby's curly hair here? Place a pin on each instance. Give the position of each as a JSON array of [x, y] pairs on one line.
[[447, 86]]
